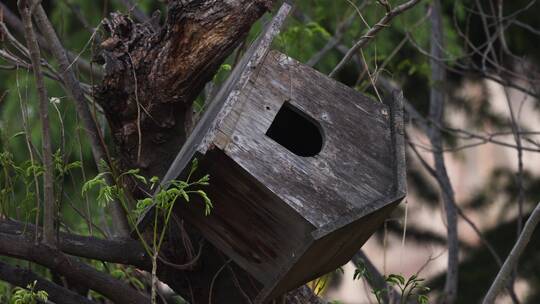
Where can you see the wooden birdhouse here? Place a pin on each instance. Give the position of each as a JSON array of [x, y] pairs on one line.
[[303, 168]]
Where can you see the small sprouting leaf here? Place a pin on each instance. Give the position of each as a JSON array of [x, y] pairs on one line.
[[225, 67], [423, 299], [98, 180], [73, 165], [118, 274], [103, 166], [42, 295], [135, 173], [203, 181], [359, 273], [153, 181], [207, 203], [185, 195], [396, 279], [194, 166]]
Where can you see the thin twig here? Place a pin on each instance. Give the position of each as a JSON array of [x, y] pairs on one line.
[[214, 280], [14, 22], [372, 32]]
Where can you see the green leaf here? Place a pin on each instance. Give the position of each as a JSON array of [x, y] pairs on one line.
[[396, 279], [207, 202], [194, 166], [118, 274], [185, 195], [203, 180], [423, 299], [359, 273]]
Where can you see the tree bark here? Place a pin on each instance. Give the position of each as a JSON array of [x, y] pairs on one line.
[[121, 251], [22, 277], [436, 111], [71, 268], [152, 78]]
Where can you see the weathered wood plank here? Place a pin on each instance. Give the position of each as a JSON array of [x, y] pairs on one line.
[[354, 167], [248, 222], [228, 95]]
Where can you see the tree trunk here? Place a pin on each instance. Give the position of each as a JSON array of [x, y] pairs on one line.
[[151, 80]]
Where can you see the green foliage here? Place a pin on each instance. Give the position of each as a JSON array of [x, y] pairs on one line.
[[5, 292], [126, 274], [106, 193], [29, 295], [410, 289], [168, 194]]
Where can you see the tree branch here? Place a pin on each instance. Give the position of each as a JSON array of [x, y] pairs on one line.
[[22, 277], [71, 268], [302, 295], [377, 282], [14, 22], [512, 260], [49, 208], [121, 251], [425, 125], [137, 13], [436, 111], [372, 32]]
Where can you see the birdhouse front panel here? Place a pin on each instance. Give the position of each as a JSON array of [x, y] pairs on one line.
[[322, 147]]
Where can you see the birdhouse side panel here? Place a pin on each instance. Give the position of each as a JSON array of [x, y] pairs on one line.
[[329, 253], [248, 223]]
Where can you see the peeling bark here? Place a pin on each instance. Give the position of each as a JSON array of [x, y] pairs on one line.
[[151, 78]]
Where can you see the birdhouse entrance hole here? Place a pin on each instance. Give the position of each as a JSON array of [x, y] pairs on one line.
[[296, 131]]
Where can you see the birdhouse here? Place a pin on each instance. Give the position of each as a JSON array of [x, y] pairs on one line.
[[303, 168]]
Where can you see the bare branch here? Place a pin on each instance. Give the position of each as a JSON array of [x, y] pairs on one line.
[[71, 268], [22, 277], [511, 261], [488, 245], [436, 110], [137, 13], [121, 251], [49, 208], [334, 40], [372, 32], [14, 22]]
